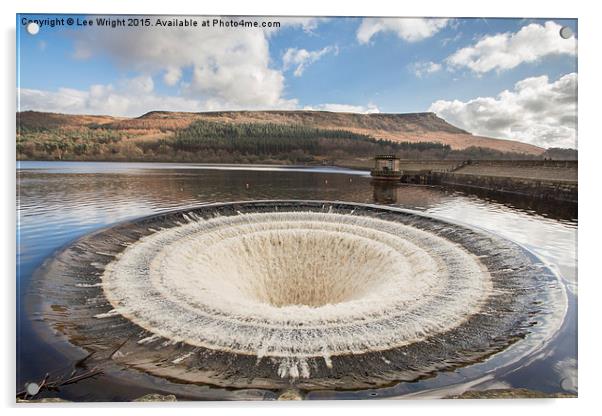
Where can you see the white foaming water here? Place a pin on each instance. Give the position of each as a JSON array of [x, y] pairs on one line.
[[294, 285]]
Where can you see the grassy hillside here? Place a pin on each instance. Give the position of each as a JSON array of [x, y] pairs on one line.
[[255, 137]]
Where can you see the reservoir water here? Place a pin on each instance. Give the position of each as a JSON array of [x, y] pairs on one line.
[[58, 202]]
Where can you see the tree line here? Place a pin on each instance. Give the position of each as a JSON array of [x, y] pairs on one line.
[[215, 142]]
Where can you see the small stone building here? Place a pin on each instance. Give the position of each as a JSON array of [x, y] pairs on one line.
[[386, 167]]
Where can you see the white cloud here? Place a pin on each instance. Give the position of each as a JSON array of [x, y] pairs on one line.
[[345, 108], [424, 68], [308, 24], [139, 85], [102, 99], [302, 58], [136, 96], [452, 39], [172, 76], [408, 29], [508, 50], [536, 111], [228, 66], [130, 97]]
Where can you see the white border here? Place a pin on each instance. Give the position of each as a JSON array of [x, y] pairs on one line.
[[589, 152]]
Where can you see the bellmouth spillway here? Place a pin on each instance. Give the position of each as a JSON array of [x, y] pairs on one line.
[[311, 293]]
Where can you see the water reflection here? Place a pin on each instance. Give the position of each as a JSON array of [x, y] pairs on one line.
[[408, 196], [58, 202], [423, 197]]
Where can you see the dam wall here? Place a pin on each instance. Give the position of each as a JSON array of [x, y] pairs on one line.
[[546, 179], [534, 188]]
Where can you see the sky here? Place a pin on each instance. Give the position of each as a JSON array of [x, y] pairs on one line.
[[505, 78]]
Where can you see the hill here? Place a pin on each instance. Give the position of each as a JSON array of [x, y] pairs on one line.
[[254, 136]]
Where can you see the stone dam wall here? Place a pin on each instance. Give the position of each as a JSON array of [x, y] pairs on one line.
[[546, 179], [534, 188]]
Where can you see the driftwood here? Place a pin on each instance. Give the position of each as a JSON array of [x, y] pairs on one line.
[[68, 378], [54, 385], [119, 347], [82, 362], [93, 372]]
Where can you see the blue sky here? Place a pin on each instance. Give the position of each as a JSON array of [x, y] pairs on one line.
[[508, 78]]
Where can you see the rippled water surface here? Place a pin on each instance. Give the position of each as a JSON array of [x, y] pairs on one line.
[[61, 201]]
